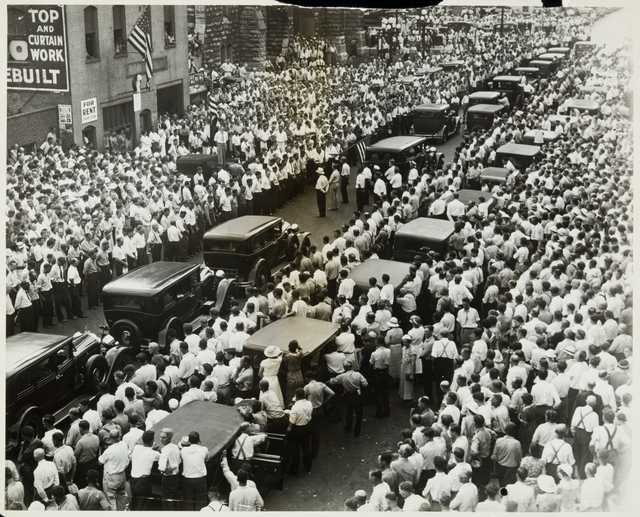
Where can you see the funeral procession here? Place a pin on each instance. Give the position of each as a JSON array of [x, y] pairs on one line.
[[272, 258]]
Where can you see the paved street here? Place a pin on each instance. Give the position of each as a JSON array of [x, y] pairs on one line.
[[301, 210]]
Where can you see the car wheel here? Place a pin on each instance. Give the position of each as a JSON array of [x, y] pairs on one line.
[[32, 417], [96, 373], [129, 326]]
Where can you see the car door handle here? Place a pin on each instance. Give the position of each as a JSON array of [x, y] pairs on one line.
[[59, 376]]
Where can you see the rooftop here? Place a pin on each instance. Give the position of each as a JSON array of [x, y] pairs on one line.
[[150, 279], [241, 228]]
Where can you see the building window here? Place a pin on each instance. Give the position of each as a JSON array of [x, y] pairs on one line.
[[169, 26], [91, 32], [119, 30]]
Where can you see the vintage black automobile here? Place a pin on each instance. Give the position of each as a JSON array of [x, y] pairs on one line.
[[452, 65], [560, 50], [150, 300], [49, 374], [484, 97], [435, 121], [374, 268], [312, 335], [581, 106], [545, 67], [481, 116], [494, 176], [510, 85], [532, 73], [399, 148], [520, 155], [250, 247], [188, 164], [419, 234], [539, 137]]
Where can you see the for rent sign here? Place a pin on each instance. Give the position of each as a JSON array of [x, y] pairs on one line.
[[37, 57]]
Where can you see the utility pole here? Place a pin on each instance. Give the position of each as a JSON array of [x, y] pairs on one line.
[[502, 21]]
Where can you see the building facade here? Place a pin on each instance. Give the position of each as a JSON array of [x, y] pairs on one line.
[[102, 70]]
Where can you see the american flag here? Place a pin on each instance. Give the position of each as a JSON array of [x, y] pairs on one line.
[[361, 147], [211, 103], [140, 39]]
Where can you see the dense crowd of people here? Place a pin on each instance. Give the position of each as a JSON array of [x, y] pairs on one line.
[[515, 345]]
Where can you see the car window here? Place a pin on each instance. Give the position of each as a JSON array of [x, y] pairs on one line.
[[219, 245], [265, 238], [178, 291], [125, 302]]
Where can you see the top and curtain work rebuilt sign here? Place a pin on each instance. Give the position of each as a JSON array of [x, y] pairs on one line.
[[37, 57]]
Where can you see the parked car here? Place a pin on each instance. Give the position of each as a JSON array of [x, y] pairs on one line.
[[510, 85], [469, 196], [452, 65], [539, 137], [361, 273], [150, 300], [494, 175], [520, 155], [421, 235], [188, 165], [401, 148], [435, 121], [49, 374], [545, 67], [250, 247], [428, 71], [482, 116], [312, 336], [532, 73], [551, 56], [560, 50], [581, 105], [484, 97]]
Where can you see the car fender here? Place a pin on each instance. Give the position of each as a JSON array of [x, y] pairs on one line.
[[123, 356], [31, 416], [175, 323], [259, 268], [97, 373], [224, 294]]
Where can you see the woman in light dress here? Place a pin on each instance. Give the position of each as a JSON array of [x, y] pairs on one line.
[[293, 361], [269, 368], [407, 370]]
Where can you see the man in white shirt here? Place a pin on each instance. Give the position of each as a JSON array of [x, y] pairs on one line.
[[378, 500], [143, 457], [244, 446], [115, 460], [194, 471], [299, 432], [412, 501], [169, 465], [45, 476]]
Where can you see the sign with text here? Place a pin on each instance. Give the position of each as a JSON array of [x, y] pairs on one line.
[[89, 110], [37, 50], [64, 115]]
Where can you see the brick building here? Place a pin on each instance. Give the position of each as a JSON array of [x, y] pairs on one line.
[[250, 34], [102, 66]]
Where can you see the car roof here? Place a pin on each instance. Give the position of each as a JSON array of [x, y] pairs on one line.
[[24, 347], [195, 157], [540, 62], [551, 55], [397, 271], [427, 228], [454, 62], [310, 333], [559, 49], [575, 103], [485, 108], [431, 107], [150, 279], [468, 196], [396, 143], [428, 70], [514, 78], [241, 228], [527, 68], [217, 424], [520, 149], [485, 94], [494, 172]]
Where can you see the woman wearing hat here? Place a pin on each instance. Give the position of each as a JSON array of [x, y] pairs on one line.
[[269, 368], [407, 370]]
